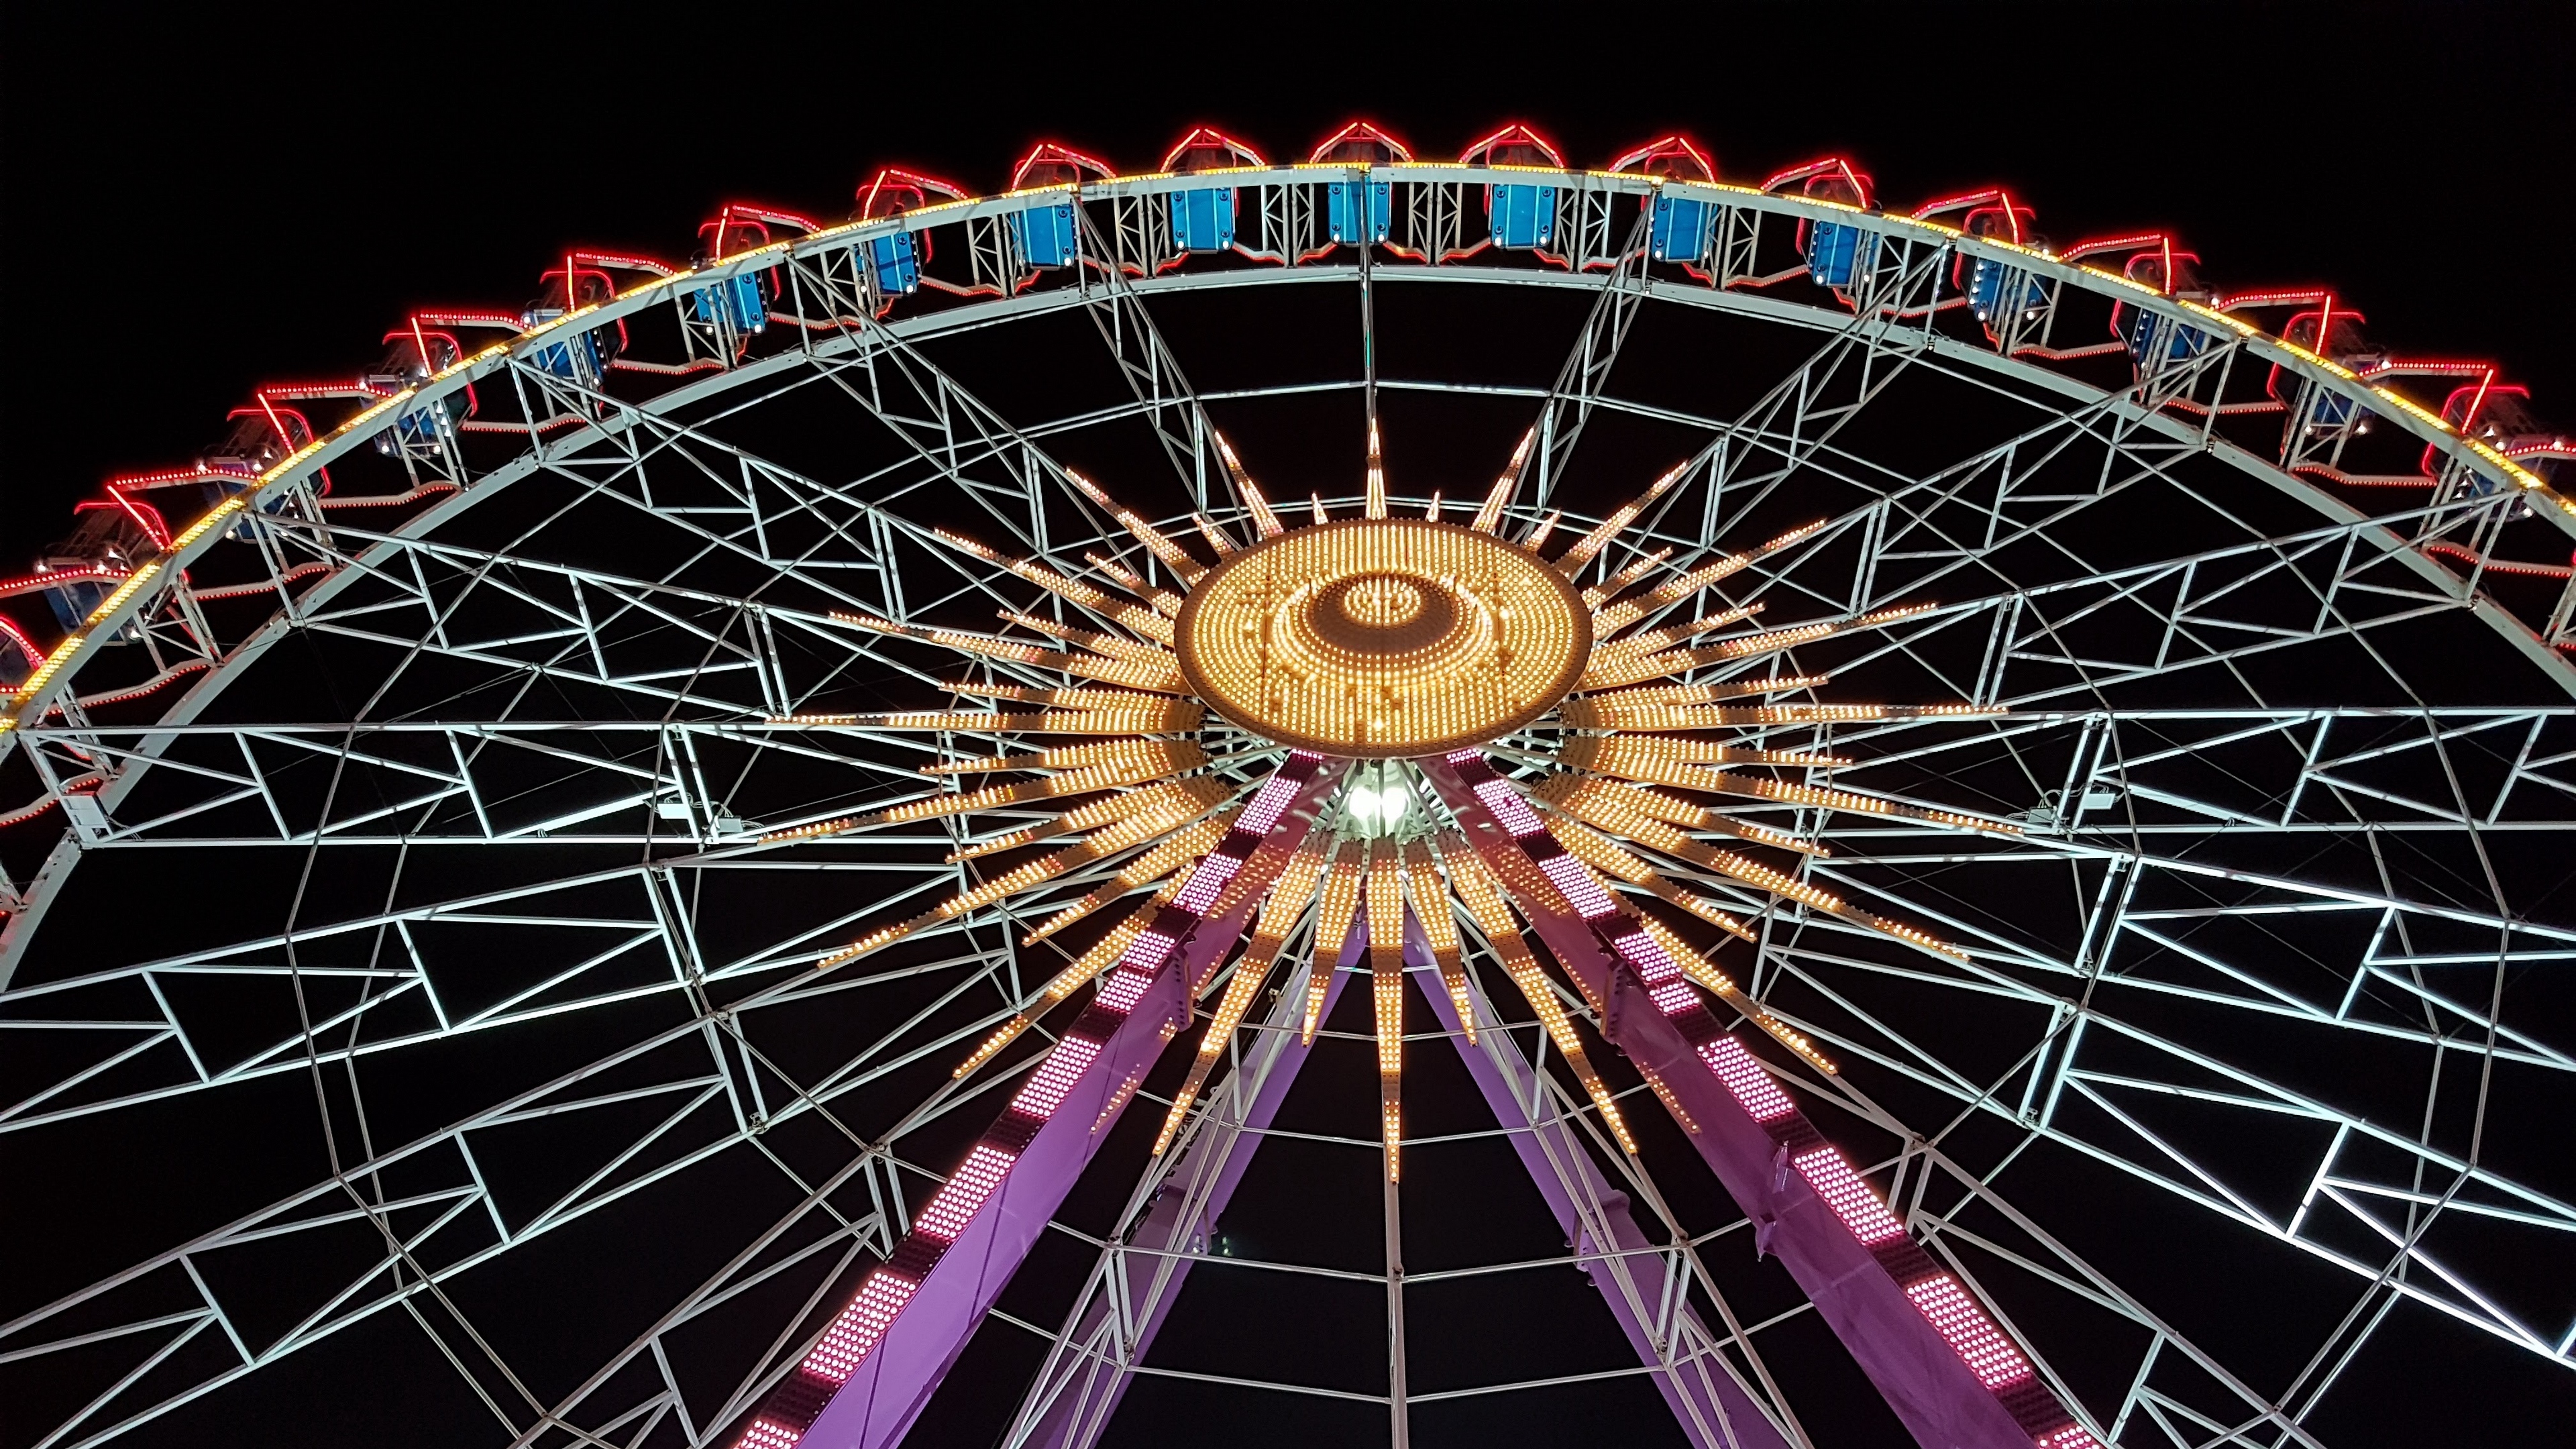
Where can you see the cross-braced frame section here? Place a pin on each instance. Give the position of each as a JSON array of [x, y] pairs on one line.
[[526, 846]]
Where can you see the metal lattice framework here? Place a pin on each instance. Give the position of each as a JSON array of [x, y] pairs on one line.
[[468, 787]]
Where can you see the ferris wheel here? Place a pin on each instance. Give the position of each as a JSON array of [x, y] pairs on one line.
[[1187, 794]]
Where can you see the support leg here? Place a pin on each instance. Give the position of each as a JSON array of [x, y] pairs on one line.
[[1714, 1410], [1088, 1370]]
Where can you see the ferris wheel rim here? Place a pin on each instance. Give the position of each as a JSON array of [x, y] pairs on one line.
[[18, 928], [2322, 502], [668, 284]]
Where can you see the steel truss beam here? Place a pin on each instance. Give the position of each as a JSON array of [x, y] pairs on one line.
[[1646, 1291], [1164, 1232], [2355, 575]]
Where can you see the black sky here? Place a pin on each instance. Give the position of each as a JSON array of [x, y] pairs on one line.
[[199, 204], [202, 202]]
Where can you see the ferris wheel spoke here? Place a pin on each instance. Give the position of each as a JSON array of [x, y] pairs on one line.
[[653, 865], [672, 476], [1582, 378], [2215, 609], [531, 781], [450, 591], [2151, 445], [2042, 1258], [956, 430], [2047, 1067], [475, 1210], [1152, 371], [1857, 364], [1716, 1402], [2117, 754], [2038, 1257], [2362, 1163], [746, 632], [416, 981]]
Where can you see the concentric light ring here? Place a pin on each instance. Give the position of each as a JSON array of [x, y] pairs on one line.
[[1383, 638]]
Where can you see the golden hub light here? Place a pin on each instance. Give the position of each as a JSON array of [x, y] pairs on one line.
[[1382, 638]]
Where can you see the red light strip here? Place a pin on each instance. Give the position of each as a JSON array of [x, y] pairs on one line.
[[52, 577], [169, 476], [1209, 137], [1667, 148], [769, 215], [306, 391], [1365, 133], [300, 571], [26, 650], [1512, 134], [145, 516], [154, 685], [374, 500], [2448, 549], [626, 263], [1977, 198], [2436, 367], [2279, 297], [890, 181], [2097, 245], [1049, 153], [1829, 167], [505, 320]]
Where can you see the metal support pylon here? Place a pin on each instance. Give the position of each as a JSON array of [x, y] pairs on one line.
[[1942, 1401], [1714, 1410], [1140, 1274], [1133, 1286]]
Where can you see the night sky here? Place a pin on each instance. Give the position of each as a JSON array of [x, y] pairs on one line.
[[201, 205]]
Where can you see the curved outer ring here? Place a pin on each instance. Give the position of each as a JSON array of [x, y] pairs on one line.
[[51, 680], [42, 685], [1555, 692]]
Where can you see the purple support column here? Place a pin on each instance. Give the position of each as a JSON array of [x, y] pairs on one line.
[[1881, 1297], [894, 1383], [1712, 1408], [1088, 1373], [867, 1378]]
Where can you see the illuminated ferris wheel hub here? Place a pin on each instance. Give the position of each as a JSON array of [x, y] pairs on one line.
[[1378, 638], [1956, 786]]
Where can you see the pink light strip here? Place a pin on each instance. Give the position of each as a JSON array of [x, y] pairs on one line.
[[1044, 1091], [1981, 1345], [1582, 892], [1671, 997], [949, 1212], [1849, 1197], [1206, 882], [1751, 1086], [797, 1404], [860, 1325], [1654, 965], [1272, 800], [1498, 796], [1123, 989]]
